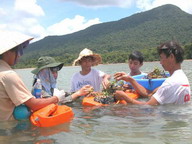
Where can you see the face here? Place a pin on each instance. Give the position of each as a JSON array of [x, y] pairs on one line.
[[166, 62], [15, 54], [134, 65], [10, 57], [55, 74], [54, 71], [86, 62]]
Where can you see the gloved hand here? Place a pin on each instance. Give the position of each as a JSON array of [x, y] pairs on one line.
[[61, 95]]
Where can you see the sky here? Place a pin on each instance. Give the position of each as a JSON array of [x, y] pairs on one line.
[[41, 18]]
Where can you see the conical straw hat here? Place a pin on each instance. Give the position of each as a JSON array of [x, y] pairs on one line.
[[9, 40]]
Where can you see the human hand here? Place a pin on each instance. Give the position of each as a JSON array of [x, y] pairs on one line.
[[105, 83], [121, 76], [121, 95], [85, 90]]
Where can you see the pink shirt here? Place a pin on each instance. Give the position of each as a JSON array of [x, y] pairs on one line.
[[12, 91]]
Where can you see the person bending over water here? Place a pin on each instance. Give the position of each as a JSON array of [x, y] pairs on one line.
[[174, 90], [13, 92]]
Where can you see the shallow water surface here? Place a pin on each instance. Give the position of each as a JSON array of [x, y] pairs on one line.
[[113, 124]]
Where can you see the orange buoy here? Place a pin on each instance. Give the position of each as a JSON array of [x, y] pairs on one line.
[[51, 115]]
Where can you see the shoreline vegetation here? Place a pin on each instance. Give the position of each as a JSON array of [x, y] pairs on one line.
[[150, 55], [99, 64]]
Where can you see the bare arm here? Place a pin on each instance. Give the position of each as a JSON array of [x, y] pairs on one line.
[[121, 95], [152, 101], [36, 104], [139, 88], [83, 91], [151, 93]]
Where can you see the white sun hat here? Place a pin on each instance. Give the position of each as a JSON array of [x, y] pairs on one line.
[[87, 52], [9, 40]]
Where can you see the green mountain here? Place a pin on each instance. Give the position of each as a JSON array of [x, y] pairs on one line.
[[115, 40]]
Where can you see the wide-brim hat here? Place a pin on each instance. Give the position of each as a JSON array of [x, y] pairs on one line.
[[87, 52], [9, 40], [46, 62]]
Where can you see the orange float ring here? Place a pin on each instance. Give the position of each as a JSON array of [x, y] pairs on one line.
[[89, 101], [51, 115]]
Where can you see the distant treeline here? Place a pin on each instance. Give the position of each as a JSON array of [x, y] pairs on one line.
[[108, 57]]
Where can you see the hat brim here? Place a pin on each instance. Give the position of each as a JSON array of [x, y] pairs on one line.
[[97, 59], [10, 40], [37, 70]]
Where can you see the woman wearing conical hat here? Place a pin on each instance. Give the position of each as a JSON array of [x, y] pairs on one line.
[[88, 75], [13, 92]]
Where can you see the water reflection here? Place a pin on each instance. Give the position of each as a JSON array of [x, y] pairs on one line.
[[111, 124]]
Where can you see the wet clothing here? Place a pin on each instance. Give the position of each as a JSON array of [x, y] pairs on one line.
[[12, 91], [175, 89], [93, 78]]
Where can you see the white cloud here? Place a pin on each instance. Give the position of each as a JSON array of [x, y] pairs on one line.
[[185, 5], [102, 3], [29, 7], [2, 12], [29, 26], [67, 25], [23, 17]]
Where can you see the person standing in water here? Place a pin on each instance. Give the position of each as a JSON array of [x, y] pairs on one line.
[[47, 72], [88, 75], [174, 90], [13, 92]]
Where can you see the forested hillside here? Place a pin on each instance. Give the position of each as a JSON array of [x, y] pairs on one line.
[[115, 40]]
